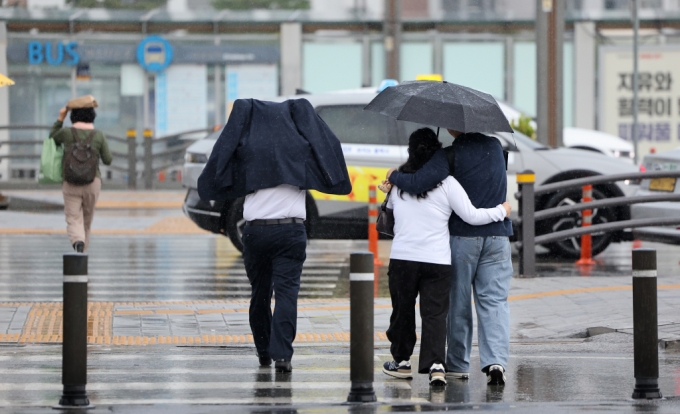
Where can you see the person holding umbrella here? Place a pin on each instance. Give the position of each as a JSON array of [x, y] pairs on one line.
[[271, 153], [480, 255], [420, 262]]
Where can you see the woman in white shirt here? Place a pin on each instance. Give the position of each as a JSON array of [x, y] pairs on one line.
[[420, 262]]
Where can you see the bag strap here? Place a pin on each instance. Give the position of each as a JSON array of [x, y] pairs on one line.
[[90, 137], [88, 140], [383, 206]]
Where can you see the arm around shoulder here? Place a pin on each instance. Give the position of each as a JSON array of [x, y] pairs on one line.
[[461, 205], [433, 172]]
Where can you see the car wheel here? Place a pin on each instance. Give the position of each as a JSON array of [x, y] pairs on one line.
[[571, 248], [235, 223]]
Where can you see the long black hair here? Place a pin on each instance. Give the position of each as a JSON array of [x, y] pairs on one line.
[[422, 144]]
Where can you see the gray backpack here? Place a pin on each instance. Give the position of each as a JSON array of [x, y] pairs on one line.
[[80, 160]]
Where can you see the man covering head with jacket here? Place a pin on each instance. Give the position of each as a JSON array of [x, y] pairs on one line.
[[271, 153]]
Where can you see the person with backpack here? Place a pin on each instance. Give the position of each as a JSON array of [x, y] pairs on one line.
[[84, 146]]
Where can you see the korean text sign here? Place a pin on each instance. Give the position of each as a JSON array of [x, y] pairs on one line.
[[658, 95]]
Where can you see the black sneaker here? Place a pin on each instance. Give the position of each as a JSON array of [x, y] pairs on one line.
[[495, 375], [400, 370], [283, 366], [79, 246], [437, 375], [265, 361]]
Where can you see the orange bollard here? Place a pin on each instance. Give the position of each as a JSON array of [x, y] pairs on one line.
[[373, 234], [587, 239], [161, 176]]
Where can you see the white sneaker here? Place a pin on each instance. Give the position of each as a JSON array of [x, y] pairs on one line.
[[458, 375], [495, 375], [400, 370], [437, 375]]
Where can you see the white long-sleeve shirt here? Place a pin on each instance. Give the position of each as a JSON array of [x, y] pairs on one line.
[[421, 226]]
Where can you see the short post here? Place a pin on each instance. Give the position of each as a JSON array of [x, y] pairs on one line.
[[373, 234], [645, 325], [527, 227], [74, 350], [586, 221], [132, 158], [148, 159], [361, 328]]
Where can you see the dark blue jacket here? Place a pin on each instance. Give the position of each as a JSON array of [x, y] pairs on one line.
[[479, 166], [266, 144]]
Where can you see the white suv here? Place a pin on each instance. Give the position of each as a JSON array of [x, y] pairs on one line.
[[373, 143]]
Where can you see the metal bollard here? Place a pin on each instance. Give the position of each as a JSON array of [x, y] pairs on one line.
[[74, 350], [527, 226], [361, 328], [645, 325], [148, 159], [132, 158], [586, 221]]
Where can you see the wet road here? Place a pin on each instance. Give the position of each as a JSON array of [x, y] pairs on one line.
[[137, 268], [204, 267], [587, 376]]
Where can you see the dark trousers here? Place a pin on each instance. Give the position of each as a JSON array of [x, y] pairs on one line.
[[432, 281], [273, 256]]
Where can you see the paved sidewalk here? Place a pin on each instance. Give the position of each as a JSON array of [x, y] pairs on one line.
[[541, 309]]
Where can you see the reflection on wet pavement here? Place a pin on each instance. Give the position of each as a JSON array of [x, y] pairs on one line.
[[584, 371], [615, 261], [138, 268]]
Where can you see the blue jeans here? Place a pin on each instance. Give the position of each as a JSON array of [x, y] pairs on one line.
[[481, 265], [273, 257]]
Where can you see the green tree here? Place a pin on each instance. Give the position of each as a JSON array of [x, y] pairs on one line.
[[523, 125], [119, 4], [260, 4]]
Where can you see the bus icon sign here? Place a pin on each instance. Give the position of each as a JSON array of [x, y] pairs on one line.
[[154, 54]]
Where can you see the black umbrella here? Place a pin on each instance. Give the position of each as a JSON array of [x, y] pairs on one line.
[[441, 104]]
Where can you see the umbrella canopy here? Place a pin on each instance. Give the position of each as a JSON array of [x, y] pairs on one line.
[[5, 81], [441, 104]]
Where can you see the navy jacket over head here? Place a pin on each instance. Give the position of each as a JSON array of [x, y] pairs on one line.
[[266, 144], [479, 167]]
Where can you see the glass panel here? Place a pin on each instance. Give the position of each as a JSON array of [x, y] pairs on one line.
[[525, 77], [377, 63], [485, 73], [525, 80], [331, 66], [415, 59], [353, 125]]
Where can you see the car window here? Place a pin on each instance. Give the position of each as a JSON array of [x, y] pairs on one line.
[[407, 129], [353, 125]]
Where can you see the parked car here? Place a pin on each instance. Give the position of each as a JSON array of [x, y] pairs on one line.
[[665, 161], [373, 143], [585, 139]]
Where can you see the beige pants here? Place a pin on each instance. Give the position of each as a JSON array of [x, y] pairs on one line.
[[79, 202]]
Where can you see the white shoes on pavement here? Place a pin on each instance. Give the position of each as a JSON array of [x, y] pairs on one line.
[[495, 375]]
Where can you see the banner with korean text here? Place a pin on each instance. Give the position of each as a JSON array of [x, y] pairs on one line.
[[658, 95]]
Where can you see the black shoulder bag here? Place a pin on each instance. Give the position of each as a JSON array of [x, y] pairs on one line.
[[385, 223]]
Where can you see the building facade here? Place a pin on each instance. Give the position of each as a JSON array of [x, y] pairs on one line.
[[204, 60]]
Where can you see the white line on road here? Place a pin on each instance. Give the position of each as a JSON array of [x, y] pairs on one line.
[[139, 386]]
